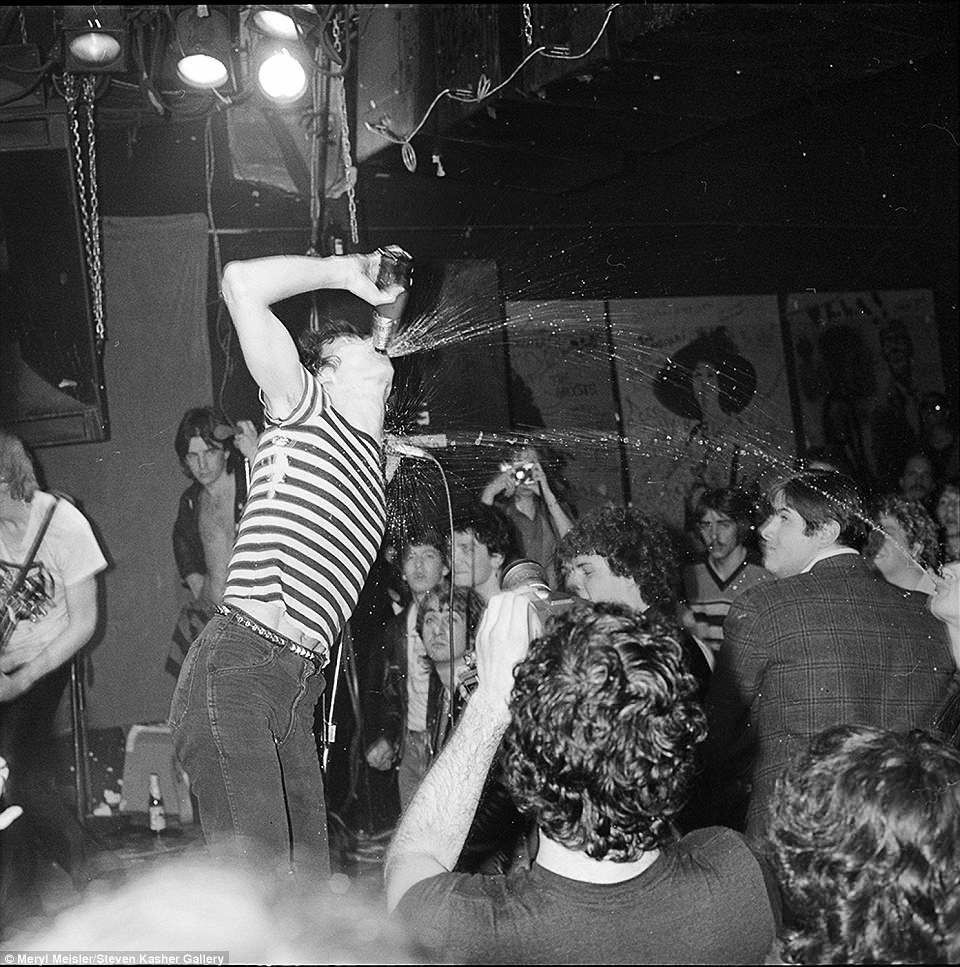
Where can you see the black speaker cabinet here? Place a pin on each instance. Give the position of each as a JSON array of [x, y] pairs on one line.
[[51, 387]]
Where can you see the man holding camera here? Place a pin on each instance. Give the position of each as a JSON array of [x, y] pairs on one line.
[[599, 726], [522, 491]]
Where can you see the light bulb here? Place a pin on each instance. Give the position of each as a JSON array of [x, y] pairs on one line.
[[202, 70], [282, 77], [94, 48]]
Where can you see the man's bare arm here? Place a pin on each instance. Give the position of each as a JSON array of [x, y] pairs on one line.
[[434, 828], [251, 287]]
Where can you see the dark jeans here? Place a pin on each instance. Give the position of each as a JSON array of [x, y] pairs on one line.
[[242, 719]]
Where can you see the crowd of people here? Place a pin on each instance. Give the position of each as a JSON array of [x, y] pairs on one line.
[[608, 744]]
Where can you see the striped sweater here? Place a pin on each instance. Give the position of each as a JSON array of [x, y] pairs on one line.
[[314, 518]]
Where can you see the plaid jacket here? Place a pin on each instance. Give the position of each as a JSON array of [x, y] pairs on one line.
[[837, 644]]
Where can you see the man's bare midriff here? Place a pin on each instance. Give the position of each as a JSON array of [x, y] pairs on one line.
[[274, 617]]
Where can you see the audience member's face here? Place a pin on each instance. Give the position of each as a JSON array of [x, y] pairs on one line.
[[590, 577], [894, 552], [719, 535], [205, 461], [948, 510], [917, 481], [787, 550], [423, 567], [436, 631], [473, 565]]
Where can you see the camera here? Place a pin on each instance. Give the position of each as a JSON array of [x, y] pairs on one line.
[[530, 579], [519, 472]]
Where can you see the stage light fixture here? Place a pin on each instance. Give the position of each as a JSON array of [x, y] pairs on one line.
[[276, 21], [282, 76], [203, 47], [94, 39]]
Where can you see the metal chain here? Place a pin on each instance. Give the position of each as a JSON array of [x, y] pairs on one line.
[[335, 32], [528, 24], [96, 265], [87, 200], [23, 26], [349, 172]]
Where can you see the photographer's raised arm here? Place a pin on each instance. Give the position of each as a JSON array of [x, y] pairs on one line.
[[251, 287], [434, 828]]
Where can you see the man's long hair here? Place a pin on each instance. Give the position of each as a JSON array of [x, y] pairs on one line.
[[213, 428], [600, 748], [865, 840]]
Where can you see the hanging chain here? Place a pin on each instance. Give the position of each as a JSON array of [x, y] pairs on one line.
[[23, 26], [318, 179], [528, 24], [96, 271], [335, 32], [85, 175], [349, 172]]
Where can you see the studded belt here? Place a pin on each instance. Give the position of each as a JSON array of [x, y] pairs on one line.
[[319, 661]]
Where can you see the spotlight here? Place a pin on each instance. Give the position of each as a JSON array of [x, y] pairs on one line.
[[282, 77], [280, 21], [203, 47], [94, 39]]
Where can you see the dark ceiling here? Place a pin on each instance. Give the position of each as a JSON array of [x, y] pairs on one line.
[[665, 74], [659, 76]]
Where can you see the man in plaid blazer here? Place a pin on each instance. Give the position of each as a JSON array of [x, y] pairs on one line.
[[830, 642]]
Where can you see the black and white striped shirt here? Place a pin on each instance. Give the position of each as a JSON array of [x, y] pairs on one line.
[[314, 519]]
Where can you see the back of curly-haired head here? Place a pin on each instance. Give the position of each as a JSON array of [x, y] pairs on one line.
[[604, 726], [864, 836], [635, 545]]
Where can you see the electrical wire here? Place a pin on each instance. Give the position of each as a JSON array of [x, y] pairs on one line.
[[484, 89]]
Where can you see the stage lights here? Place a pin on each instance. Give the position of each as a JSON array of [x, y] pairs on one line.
[[203, 47], [281, 74], [94, 39], [281, 21]]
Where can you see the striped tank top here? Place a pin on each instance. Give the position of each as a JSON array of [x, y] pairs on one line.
[[314, 519]]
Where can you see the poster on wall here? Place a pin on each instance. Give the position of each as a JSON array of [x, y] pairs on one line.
[[562, 393], [868, 376], [705, 398]]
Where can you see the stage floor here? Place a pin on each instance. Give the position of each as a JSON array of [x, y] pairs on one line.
[[121, 848]]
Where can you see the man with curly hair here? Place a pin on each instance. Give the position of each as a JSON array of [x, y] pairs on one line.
[[903, 544], [864, 836], [624, 556], [599, 726]]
